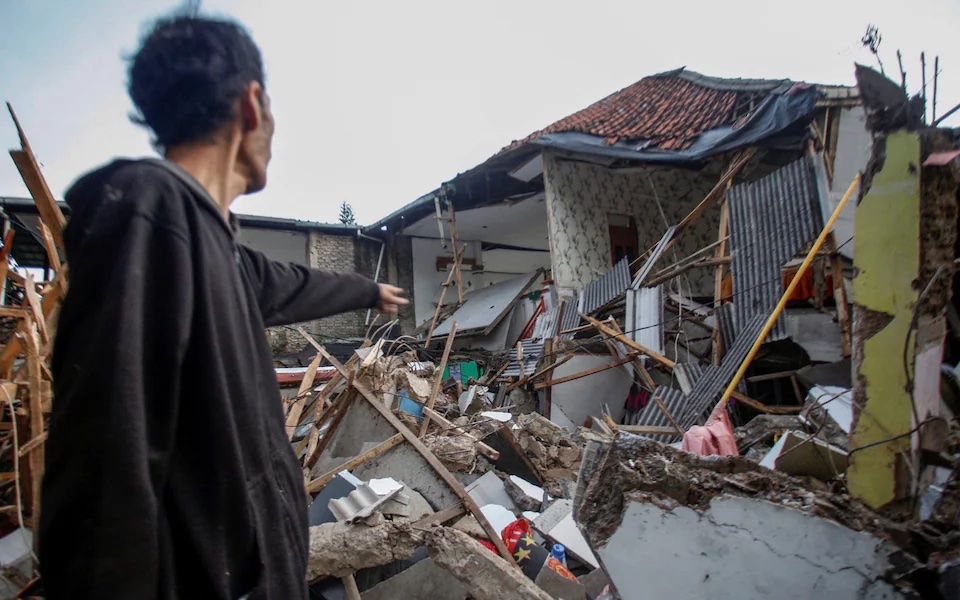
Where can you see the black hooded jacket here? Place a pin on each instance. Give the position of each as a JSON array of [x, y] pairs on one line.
[[168, 470]]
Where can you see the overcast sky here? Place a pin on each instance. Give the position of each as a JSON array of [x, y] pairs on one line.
[[379, 102]]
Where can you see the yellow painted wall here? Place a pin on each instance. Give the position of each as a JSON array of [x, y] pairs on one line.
[[887, 252]]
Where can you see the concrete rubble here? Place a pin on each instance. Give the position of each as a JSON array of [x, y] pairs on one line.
[[338, 550]]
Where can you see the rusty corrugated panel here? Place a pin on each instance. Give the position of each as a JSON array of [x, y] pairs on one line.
[[771, 220], [606, 288]]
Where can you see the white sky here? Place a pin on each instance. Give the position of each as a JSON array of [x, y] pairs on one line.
[[378, 102]]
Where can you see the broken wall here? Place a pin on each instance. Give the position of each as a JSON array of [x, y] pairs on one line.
[[575, 401], [906, 231], [581, 195]]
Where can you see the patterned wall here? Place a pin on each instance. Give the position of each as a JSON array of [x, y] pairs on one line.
[[580, 196]]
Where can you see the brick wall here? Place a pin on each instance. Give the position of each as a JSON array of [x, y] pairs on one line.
[[342, 252]]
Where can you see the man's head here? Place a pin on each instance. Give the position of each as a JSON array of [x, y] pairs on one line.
[[199, 81]]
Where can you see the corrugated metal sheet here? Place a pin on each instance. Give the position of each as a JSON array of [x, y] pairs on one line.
[[727, 317], [651, 415], [687, 375], [705, 384], [657, 251], [706, 392], [644, 318], [569, 320], [606, 288], [547, 323], [532, 351], [771, 220]]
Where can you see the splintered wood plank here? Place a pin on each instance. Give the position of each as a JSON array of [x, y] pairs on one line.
[[35, 308], [293, 418], [452, 482], [35, 391], [51, 247], [438, 378], [315, 485], [33, 178]]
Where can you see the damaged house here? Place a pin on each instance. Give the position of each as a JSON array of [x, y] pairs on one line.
[[573, 209], [648, 358]]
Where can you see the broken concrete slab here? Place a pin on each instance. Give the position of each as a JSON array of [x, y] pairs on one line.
[[340, 549], [801, 455], [557, 524], [490, 489], [759, 522], [488, 576], [423, 580], [525, 495], [707, 553], [559, 586]]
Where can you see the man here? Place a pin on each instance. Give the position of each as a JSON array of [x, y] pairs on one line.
[[169, 473]]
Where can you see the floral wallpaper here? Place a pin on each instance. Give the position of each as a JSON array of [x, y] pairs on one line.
[[580, 197]]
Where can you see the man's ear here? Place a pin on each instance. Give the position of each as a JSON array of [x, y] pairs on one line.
[[251, 107]]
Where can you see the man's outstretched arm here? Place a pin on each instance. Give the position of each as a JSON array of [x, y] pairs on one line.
[[117, 366], [289, 293]]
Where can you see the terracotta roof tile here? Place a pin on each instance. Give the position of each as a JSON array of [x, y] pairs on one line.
[[667, 111]]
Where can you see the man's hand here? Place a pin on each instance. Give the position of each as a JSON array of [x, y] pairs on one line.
[[391, 299]]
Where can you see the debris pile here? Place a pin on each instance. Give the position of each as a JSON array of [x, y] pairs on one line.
[[741, 445]]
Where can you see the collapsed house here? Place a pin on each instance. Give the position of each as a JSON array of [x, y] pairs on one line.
[[652, 358]]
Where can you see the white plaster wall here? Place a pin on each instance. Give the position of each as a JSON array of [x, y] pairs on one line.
[[854, 145], [581, 195], [501, 265], [427, 280], [285, 246], [572, 402], [742, 548]]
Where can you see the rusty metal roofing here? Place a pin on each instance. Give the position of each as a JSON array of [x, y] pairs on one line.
[[606, 288], [771, 220]]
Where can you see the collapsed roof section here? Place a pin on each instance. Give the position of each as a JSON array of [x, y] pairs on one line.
[[676, 117]]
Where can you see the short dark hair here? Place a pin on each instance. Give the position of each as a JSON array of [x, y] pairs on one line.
[[187, 76]]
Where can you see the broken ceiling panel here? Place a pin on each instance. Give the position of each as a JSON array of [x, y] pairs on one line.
[[771, 220], [483, 309], [603, 290]]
